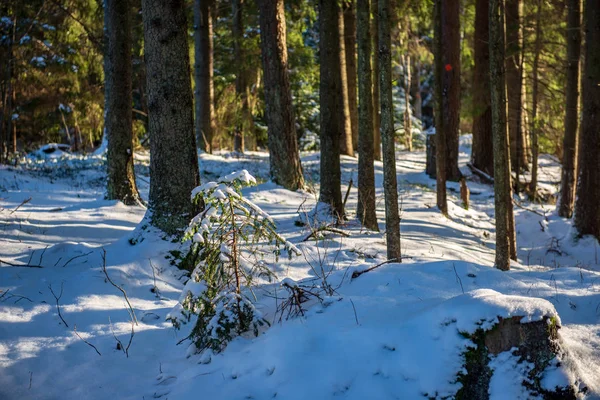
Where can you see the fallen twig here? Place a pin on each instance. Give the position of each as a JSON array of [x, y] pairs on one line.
[[85, 341], [484, 177], [516, 203], [131, 312], [20, 205], [57, 298], [20, 265], [458, 278], [325, 229], [356, 274], [347, 193], [73, 258]]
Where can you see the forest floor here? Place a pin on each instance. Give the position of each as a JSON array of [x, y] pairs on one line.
[[390, 333]]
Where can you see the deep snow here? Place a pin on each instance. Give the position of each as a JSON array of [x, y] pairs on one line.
[[391, 333]]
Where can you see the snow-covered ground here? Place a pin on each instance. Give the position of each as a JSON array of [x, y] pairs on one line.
[[391, 333]]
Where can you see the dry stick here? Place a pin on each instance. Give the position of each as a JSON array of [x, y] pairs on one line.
[[131, 312], [355, 315], [57, 298], [20, 205], [19, 265], [458, 278], [347, 193], [85, 341], [43, 252], [325, 229], [516, 203], [155, 288], [73, 258], [356, 274]]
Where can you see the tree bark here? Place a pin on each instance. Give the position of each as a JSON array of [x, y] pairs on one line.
[[587, 212], [118, 127], [390, 180], [350, 47], [441, 152], [569, 164], [241, 82], [173, 159], [534, 104], [203, 73], [482, 155], [366, 209], [376, 106], [331, 104], [347, 147], [502, 186], [415, 90], [284, 158], [407, 111]]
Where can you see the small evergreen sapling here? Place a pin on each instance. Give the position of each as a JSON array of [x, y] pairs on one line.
[[230, 239]]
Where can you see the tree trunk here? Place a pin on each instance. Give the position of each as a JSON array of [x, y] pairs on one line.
[[376, 106], [286, 169], [502, 186], [441, 153], [534, 104], [482, 155], [350, 47], [241, 82], [173, 159], [415, 91], [587, 212], [569, 164], [347, 147], [366, 209], [203, 73], [407, 111], [390, 180], [514, 83], [120, 183], [331, 105]]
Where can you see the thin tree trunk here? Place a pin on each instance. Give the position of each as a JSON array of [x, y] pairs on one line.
[[350, 47], [390, 180], [502, 186], [441, 152], [331, 105], [569, 164], [376, 106], [534, 103], [173, 159], [241, 85], [284, 158], [407, 110], [587, 212], [366, 210], [118, 128], [482, 155], [415, 90], [203, 73], [347, 147]]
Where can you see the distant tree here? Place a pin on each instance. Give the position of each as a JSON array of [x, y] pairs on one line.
[[483, 151], [173, 159], [366, 210], [286, 169], [376, 107], [390, 184], [346, 145], [203, 72], [535, 148], [241, 81], [350, 47], [587, 212], [331, 105], [569, 162], [502, 185], [118, 102]]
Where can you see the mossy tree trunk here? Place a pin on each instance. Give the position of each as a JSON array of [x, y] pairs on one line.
[[390, 183], [284, 158], [173, 159], [203, 73], [118, 127], [569, 162], [366, 210]]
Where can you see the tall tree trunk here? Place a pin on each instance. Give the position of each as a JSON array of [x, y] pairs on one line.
[[173, 159], [406, 64], [366, 209], [120, 183], [347, 148], [390, 179], [441, 152], [284, 158], [241, 82], [502, 186], [569, 162], [203, 73], [350, 47], [376, 106], [482, 155], [514, 83], [534, 104], [587, 212], [331, 105], [415, 90]]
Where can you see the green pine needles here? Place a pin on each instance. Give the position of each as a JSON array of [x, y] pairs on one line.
[[231, 239]]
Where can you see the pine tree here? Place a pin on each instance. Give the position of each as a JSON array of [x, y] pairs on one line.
[[347, 147], [203, 72], [118, 113], [173, 159], [390, 184], [286, 169], [366, 211], [376, 106], [534, 103], [241, 85], [350, 47]]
